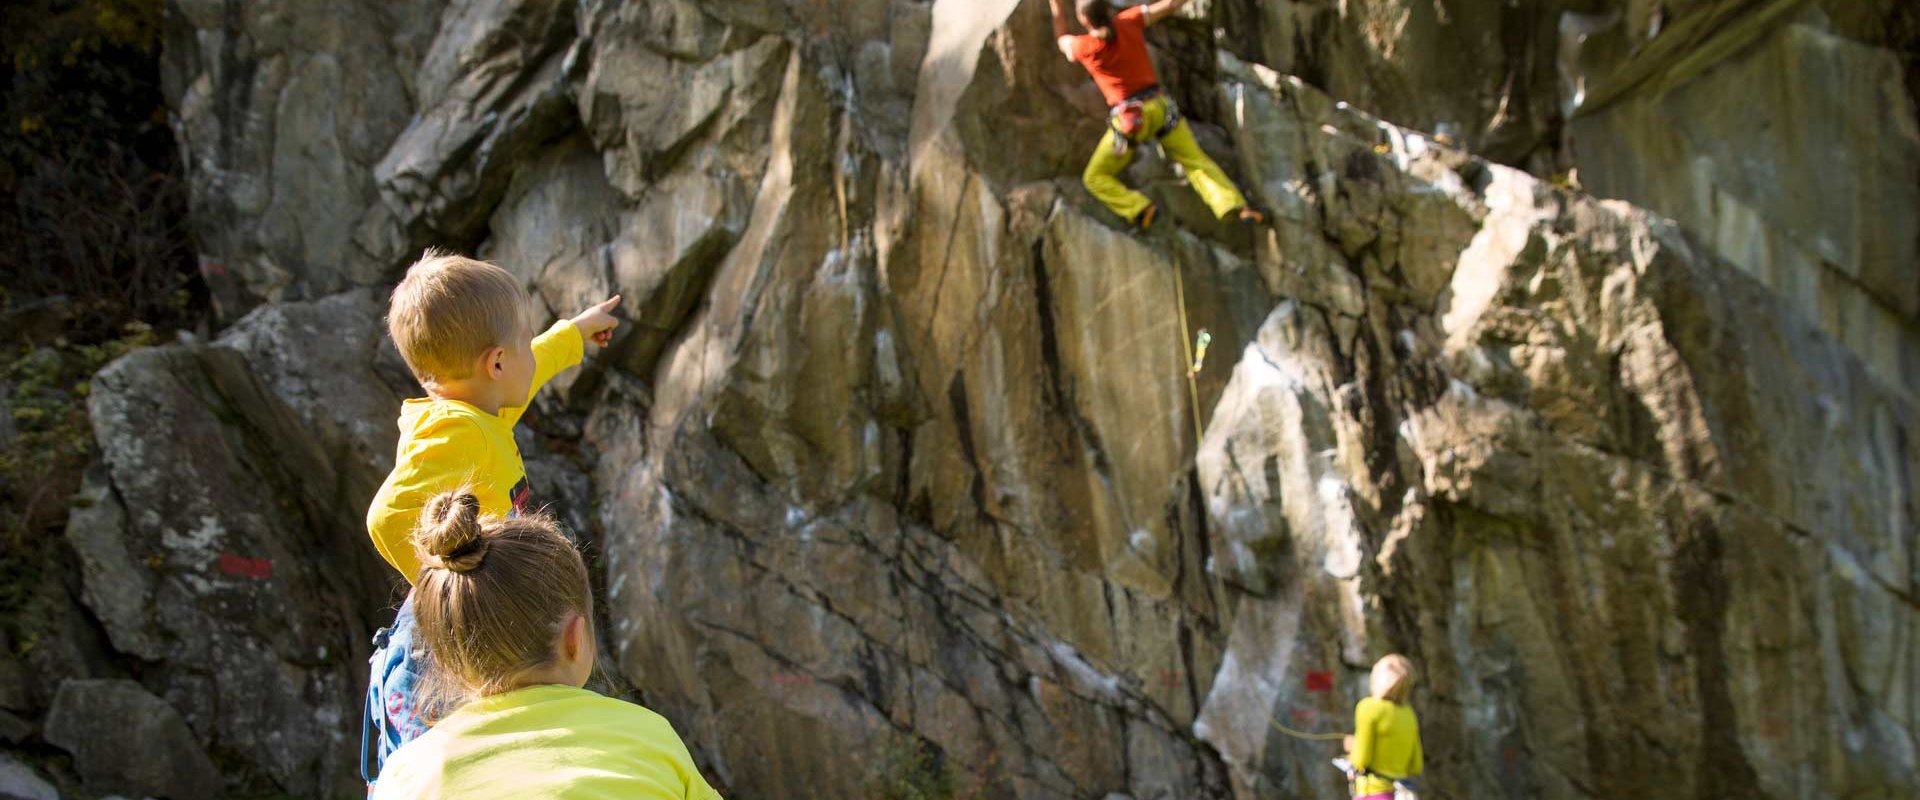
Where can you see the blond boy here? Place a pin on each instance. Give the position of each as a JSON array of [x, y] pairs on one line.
[[462, 325]]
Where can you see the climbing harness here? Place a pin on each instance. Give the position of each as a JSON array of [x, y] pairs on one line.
[[1403, 788], [1128, 116]]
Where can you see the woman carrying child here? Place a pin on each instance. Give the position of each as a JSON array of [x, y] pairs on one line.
[[504, 608]]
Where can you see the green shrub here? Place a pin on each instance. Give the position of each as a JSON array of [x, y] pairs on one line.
[[92, 205], [46, 445], [94, 253], [908, 768]]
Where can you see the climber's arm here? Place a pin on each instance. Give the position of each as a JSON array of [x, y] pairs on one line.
[[1061, 34], [1156, 11], [1366, 719]]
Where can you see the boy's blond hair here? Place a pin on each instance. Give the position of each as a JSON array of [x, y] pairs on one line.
[[1392, 678], [449, 310]]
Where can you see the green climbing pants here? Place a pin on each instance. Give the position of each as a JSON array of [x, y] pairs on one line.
[[1102, 176]]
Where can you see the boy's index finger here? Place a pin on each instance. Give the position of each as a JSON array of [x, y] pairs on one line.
[[608, 304]]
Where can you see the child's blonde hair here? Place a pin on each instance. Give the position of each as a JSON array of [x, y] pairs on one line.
[[1392, 678], [449, 310], [493, 594]]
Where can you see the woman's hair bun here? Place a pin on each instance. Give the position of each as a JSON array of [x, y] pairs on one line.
[[449, 533]]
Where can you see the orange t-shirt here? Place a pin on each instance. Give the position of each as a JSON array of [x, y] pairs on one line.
[[1119, 63]]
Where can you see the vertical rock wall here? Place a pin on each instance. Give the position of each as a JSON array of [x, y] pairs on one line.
[[1794, 153], [900, 449]]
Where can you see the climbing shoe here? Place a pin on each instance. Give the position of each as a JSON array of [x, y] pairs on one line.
[[1250, 215], [1146, 217]]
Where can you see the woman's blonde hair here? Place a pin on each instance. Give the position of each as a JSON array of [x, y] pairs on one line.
[[493, 593], [1392, 678]]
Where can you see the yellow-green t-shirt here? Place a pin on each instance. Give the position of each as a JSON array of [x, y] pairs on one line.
[[446, 443], [1386, 740], [545, 743]]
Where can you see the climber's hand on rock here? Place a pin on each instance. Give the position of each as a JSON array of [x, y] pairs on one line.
[[596, 324]]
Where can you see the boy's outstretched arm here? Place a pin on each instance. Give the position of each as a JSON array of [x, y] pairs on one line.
[[597, 322], [1156, 11], [562, 347], [1061, 32]]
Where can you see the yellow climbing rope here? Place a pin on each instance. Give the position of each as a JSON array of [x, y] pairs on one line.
[[1194, 356], [1311, 737]]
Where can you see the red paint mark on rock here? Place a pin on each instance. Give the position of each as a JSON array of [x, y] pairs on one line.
[[1305, 716], [244, 567], [792, 678], [1319, 681], [1775, 727], [213, 269]]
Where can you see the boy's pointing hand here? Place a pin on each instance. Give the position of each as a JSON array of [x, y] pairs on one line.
[[596, 323]]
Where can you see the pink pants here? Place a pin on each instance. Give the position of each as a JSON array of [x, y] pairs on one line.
[[1380, 796]]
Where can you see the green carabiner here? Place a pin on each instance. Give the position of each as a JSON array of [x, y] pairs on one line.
[[1200, 343]]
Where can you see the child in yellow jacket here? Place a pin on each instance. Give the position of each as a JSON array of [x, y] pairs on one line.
[[462, 326]]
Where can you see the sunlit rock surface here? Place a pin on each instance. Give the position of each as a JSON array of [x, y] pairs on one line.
[[899, 444]]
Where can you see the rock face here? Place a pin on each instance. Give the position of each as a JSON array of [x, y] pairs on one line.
[[220, 550], [1690, 146], [902, 447], [284, 110], [1780, 132], [1574, 507], [19, 781], [126, 740]]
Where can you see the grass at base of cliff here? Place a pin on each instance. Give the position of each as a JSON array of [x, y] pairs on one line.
[[46, 441], [907, 768]]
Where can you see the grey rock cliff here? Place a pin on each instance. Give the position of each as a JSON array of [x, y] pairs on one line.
[[899, 444], [125, 739]]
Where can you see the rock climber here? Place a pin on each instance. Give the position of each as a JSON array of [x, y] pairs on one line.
[[1114, 50]]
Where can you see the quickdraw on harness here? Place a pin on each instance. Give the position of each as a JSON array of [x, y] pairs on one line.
[[1129, 116]]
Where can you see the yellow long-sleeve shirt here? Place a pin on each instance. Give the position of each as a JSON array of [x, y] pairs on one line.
[[546, 743], [1386, 741], [446, 443]]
